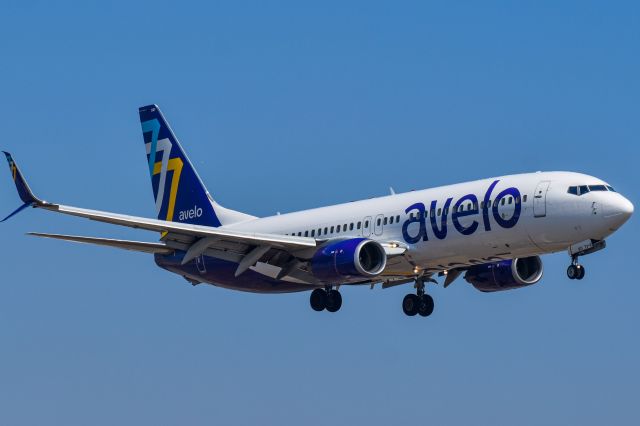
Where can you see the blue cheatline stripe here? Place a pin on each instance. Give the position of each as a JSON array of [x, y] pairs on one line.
[[152, 126]]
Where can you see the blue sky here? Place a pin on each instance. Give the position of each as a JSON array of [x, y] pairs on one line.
[[286, 106]]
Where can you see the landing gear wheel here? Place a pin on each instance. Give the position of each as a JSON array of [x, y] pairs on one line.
[[581, 272], [411, 304], [318, 300], [573, 272], [333, 301], [426, 305]]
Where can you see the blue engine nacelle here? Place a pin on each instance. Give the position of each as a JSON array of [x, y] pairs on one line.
[[348, 259], [506, 274]]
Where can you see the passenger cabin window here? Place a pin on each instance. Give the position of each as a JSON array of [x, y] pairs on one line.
[[306, 233], [386, 220], [326, 231], [332, 229], [439, 212], [379, 222], [524, 199], [359, 225], [397, 218], [366, 223], [313, 232], [338, 230], [351, 227]]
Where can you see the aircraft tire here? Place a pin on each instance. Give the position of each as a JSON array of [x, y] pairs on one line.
[[318, 300], [572, 272], [426, 305], [410, 304], [581, 272], [334, 301]]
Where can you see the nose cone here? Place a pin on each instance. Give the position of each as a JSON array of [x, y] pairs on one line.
[[626, 208], [618, 211], [623, 208]]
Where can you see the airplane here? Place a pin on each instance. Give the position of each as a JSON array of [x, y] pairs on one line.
[[491, 231]]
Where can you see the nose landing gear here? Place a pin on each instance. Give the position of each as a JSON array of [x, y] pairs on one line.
[[575, 271], [420, 303]]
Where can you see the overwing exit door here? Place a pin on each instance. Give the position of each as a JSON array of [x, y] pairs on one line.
[[366, 228]]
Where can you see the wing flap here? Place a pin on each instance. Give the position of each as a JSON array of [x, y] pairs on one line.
[[139, 246]]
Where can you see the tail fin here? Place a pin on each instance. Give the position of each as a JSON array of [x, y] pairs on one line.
[[178, 190]]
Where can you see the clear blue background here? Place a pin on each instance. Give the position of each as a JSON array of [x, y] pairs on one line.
[[286, 106]]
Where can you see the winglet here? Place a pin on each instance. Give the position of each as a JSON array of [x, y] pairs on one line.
[[25, 193]]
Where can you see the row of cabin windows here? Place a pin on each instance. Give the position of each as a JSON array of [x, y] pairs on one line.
[[330, 230], [390, 220]]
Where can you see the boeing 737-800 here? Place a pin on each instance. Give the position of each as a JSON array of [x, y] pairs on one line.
[[491, 231]]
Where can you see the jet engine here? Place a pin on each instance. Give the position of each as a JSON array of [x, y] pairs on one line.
[[506, 274], [349, 260]]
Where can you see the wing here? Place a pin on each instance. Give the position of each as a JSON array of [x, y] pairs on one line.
[[287, 252], [245, 248]]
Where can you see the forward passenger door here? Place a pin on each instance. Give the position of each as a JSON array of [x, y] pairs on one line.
[[540, 199]]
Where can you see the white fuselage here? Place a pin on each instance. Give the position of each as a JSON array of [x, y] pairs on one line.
[[534, 215]]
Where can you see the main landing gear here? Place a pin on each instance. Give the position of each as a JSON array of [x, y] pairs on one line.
[[326, 298], [420, 303], [575, 271]]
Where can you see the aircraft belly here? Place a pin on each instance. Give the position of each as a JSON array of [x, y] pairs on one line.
[[221, 273]]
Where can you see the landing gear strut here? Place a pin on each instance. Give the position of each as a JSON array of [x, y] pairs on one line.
[[419, 303], [327, 298], [575, 271]]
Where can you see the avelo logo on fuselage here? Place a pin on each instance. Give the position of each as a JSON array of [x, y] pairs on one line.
[[440, 231], [190, 214]]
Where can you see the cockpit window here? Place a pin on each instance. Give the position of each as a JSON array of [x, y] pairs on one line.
[[583, 189]]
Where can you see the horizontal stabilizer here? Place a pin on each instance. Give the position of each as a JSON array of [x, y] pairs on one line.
[[121, 244]]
